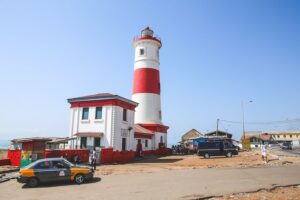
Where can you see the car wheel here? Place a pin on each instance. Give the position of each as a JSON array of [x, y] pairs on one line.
[[32, 182], [206, 155], [229, 155], [79, 178], [198, 152]]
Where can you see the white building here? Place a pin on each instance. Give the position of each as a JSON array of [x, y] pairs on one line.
[[102, 120], [150, 132]]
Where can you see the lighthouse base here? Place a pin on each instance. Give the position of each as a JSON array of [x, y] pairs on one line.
[[150, 137]]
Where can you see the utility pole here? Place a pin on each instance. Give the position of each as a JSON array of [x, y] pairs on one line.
[[244, 136], [217, 127], [243, 120]]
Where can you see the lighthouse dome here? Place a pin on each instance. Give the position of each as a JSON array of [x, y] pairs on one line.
[[147, 32]]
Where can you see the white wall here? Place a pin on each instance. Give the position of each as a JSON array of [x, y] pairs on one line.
[[110, 125], [149, 108], [150, 59], [119, 125]]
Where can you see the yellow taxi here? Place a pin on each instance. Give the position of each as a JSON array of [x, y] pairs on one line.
[[53, 170]]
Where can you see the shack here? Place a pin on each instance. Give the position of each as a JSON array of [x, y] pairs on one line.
[[31, 148]]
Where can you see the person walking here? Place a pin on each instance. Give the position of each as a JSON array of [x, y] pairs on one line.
[[264, 152], [94, 159]]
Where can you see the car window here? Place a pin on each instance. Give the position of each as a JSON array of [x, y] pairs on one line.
[[42, 165], [59, 164], [216, 145]]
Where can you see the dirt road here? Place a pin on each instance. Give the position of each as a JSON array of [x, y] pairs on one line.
[[164, 184]]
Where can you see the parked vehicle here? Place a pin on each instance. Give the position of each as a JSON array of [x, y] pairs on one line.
[[216, 148], [54, 169], [287, 145], [273, 143]]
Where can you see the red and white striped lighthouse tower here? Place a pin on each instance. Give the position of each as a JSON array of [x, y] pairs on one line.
[[147, 88]]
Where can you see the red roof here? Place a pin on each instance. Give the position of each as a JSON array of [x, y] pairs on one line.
[[139, 129], [96, 95]]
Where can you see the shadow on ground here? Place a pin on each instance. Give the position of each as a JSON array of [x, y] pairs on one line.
[[62, 183]]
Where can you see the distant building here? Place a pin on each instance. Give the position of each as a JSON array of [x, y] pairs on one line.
[[58, 143], [102, 120], [219, 134], [285, 135], [256, 138], [187, 138]]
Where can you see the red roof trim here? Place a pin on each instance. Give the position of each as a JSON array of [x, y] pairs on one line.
[[147, 37], [156, 127]]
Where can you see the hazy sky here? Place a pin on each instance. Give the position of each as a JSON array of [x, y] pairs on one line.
[[215, 54]]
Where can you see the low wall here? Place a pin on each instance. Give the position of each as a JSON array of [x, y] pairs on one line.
[[15, 157], [83, 154], [108, 156], [5, 161]]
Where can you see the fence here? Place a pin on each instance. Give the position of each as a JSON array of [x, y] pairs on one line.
[[15, 157], [83, 154], [5, 161], [108, 156]]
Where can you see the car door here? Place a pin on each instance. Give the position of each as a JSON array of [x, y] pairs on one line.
[[44, 171], [62, 170]]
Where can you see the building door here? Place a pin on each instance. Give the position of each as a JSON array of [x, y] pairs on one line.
[[139, 147], [123, 144], [83, 142], [96, 142]]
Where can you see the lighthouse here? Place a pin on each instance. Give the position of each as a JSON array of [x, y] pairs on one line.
[[147, 89]]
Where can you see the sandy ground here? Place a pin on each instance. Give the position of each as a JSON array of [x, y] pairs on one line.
[[185, 184], [177, 162], [281, 193]]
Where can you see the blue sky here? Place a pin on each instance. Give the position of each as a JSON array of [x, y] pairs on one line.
[[215, 54]]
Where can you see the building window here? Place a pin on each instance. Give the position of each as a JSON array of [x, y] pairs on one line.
[[291, 136], [96, 142], [142, 52], [123, 144], [278, 136], [83, 142], [284, 136], [146, 143], [85, 113], [124, 132], [161, 139], [124, 114], [98, 114]]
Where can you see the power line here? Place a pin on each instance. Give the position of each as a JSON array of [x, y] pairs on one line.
[[270, 122]]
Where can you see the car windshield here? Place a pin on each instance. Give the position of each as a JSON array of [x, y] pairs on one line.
[[68, 163]]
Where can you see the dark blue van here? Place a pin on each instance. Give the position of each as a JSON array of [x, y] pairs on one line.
[[219, 147]]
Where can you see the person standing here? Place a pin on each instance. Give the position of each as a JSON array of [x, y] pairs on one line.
[[264, 152]]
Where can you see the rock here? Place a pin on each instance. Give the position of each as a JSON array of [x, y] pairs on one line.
[[287, 162]]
